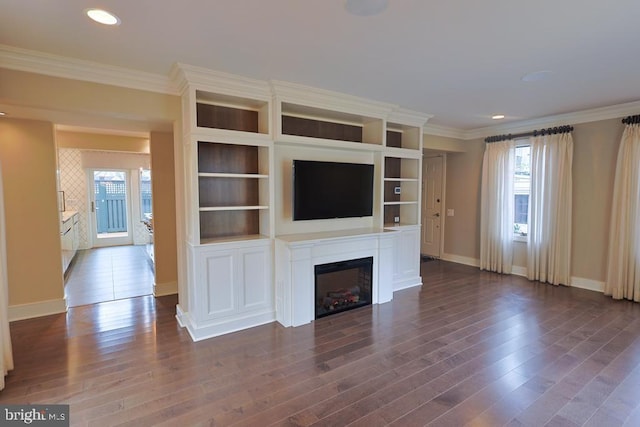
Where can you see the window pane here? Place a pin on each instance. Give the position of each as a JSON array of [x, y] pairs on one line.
[[522, 189], [145, 193], [521, 213]]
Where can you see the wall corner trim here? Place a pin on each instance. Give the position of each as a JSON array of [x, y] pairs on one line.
[[37, 309]]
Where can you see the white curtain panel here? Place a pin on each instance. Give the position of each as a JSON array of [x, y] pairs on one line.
[[623, 265], [549, 245], [6, 353], [497, 207]]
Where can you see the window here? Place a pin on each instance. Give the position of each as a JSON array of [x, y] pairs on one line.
[[145, 194], [522, 189]]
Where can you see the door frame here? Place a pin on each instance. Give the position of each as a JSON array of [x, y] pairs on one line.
[[443, 196], [93, 239]]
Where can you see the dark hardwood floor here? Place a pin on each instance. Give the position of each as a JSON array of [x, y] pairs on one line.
[[466, 348]]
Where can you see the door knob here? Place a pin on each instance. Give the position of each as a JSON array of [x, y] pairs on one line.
[[437, 214]]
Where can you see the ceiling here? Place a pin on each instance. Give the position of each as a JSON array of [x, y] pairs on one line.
[[461, 61]]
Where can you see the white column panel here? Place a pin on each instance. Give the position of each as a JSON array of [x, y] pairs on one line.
[[219, 270]]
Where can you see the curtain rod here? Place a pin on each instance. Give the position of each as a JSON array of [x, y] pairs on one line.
[[631, 120], [549, 131]]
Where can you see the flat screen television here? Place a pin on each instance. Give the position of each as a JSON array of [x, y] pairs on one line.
[[324, 190]]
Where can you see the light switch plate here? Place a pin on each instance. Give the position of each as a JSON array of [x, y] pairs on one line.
[[396, 190], [396, 219], [450, 212]]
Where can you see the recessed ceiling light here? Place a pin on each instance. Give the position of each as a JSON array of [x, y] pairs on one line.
[[497, 116], [2, 113], [365, 7], [536, 76], [103, 17]]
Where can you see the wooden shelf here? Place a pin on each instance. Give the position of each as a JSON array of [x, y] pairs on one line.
[[232, 175], [231, 208], [408, 202], [401, 179]]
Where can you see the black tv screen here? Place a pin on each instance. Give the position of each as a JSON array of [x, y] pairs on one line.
[[324, 190]]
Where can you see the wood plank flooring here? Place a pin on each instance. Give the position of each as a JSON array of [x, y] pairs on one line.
[[467, 348], [108, 274]]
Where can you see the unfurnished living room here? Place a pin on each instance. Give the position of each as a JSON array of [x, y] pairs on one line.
[[336, 213]]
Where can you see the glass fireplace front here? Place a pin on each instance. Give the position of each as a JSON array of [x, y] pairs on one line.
[[343, 285]]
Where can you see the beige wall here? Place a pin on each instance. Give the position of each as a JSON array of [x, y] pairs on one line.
[[595, 152], [95, 141], [32, 208], [461, 233], [443, 143], [28, 156], [90, 105], [164, 212], [594, 161]]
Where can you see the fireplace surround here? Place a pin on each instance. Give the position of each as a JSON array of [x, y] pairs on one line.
[[298, 255]]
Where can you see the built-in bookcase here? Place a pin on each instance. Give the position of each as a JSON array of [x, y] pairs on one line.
[[233, 188], [401, 191], [239, 139]]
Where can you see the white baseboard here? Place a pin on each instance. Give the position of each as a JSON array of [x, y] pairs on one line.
[[37, 309], [519, 271], [576, 282], [407, 283], [164, 289], [215, 328], [589, 284], [473, 262], [181, 317]]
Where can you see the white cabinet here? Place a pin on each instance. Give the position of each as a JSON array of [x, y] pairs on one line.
[[406, 272], [234, 288], [69, 238]]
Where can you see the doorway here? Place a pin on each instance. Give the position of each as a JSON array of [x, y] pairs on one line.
[[109, 200], [111, 191], [432, 203]]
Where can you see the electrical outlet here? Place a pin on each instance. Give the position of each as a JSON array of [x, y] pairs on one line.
[[396, 190], [396, 219]]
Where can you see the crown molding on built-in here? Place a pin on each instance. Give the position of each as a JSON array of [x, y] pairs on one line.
[[14, 58], [183, 75], [59, 66]]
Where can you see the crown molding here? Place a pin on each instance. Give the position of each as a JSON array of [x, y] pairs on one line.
[[333, 101], [184, 75], [14, 58], [19, 59], [408, 117], [578, 117], [448, 132]]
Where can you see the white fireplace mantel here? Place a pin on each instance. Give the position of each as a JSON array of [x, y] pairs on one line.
[[298, 254]]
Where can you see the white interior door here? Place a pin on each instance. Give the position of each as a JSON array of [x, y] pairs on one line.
[[432, 206]]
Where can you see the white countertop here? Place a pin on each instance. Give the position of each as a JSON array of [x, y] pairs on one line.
[[67, 215]]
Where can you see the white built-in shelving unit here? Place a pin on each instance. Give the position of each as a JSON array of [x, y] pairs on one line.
[[240, 137]]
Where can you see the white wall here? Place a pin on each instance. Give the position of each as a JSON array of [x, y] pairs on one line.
[[283, 160]]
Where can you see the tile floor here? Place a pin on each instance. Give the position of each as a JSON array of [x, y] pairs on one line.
[[108, 274]]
